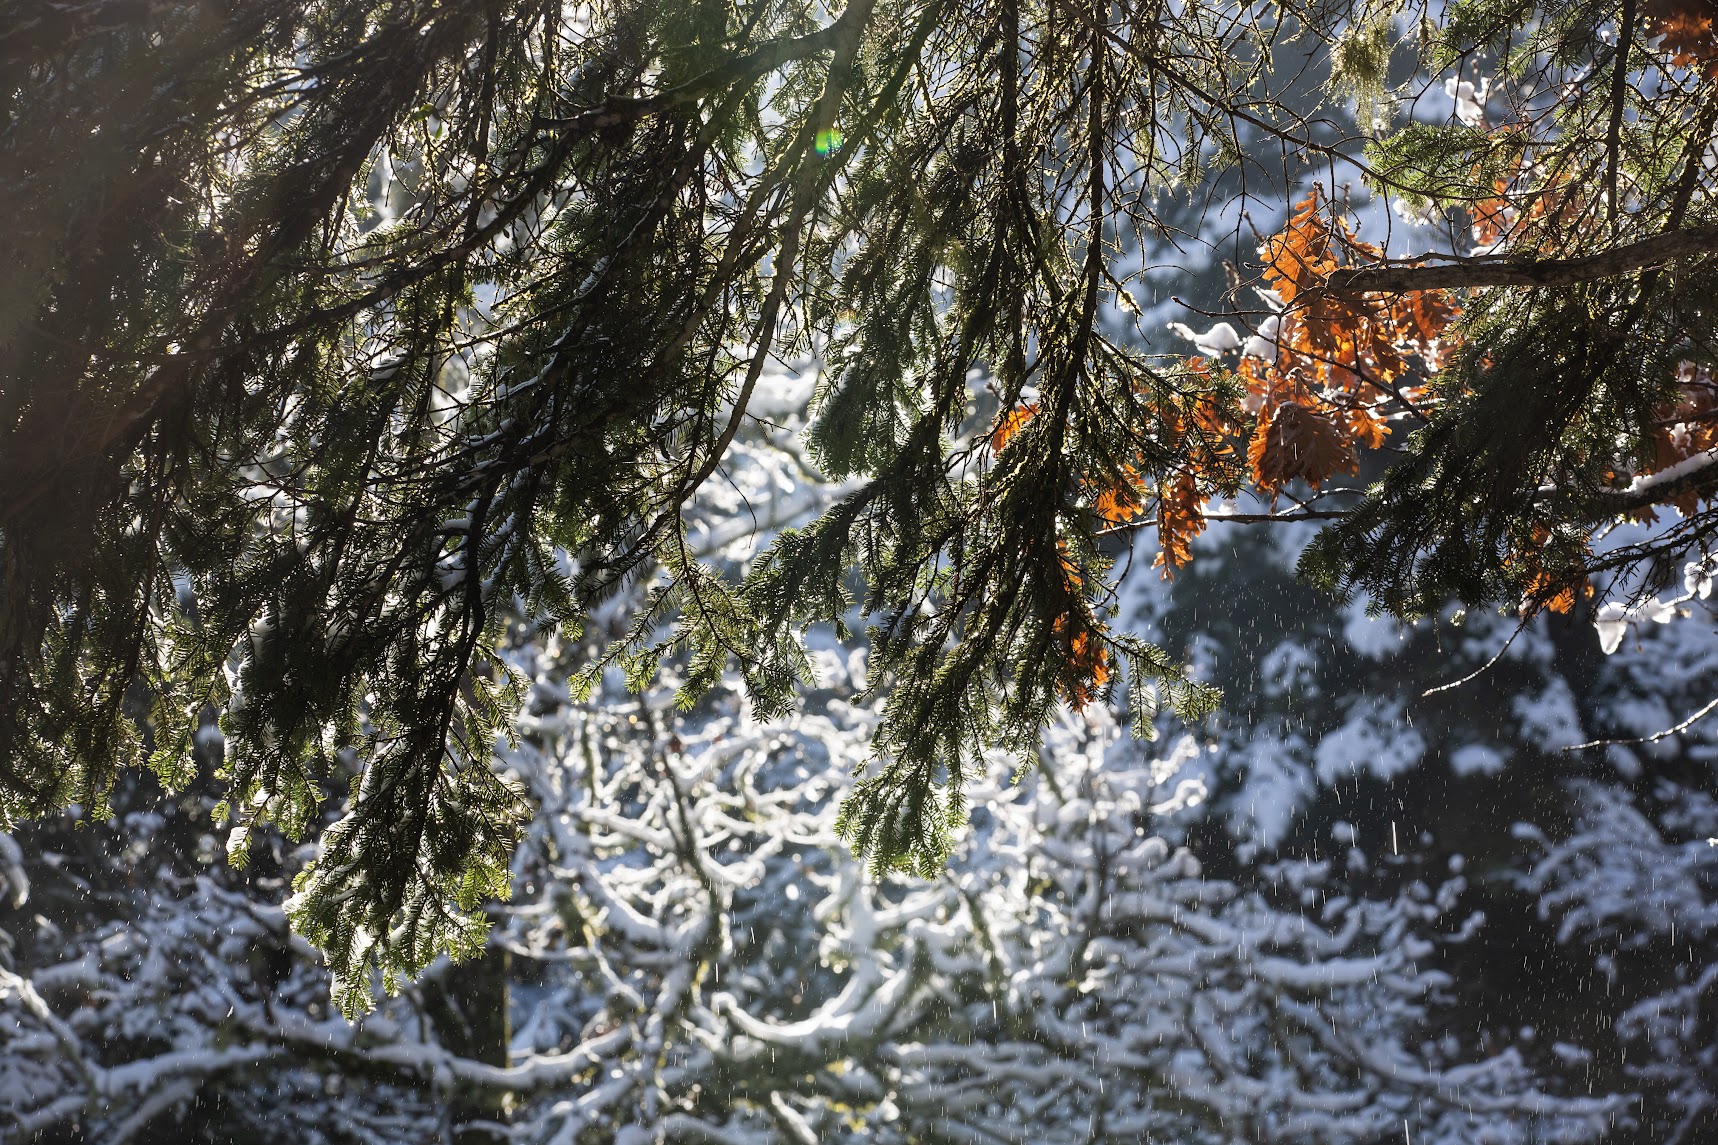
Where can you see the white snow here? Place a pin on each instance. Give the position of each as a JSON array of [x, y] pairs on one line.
[[1217, 341], [1477, 759], [1378, 739]]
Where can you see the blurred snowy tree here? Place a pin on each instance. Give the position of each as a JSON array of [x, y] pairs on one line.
[[692, 953], [696, 954], [1544, 779]]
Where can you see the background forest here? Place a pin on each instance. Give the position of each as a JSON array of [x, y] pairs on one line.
[[1356, 905], [1341, 912]]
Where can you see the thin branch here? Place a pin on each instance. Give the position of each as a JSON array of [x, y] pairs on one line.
[[1479, 671], [1655, 737], [766, 58], [1274, 518], [1614, 135], [1513, 270], [1697, 474]]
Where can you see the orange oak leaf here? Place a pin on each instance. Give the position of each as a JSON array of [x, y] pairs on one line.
[[1683, 427], [1299, 442], [1542, 588], [1121, 502], [1085, 658], [1009, 424], [1088, 669], [1688, 31], [1180, 518]]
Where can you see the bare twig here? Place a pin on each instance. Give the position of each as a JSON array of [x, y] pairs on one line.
[[1655, 737], [1479, 671], [1276, 518]]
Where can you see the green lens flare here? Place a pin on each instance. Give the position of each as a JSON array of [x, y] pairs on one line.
[[828, 142]]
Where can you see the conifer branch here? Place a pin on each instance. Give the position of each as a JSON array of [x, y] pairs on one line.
[[1400, 277]]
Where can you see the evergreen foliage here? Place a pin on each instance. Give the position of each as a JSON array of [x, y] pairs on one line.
[[341, 337]]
